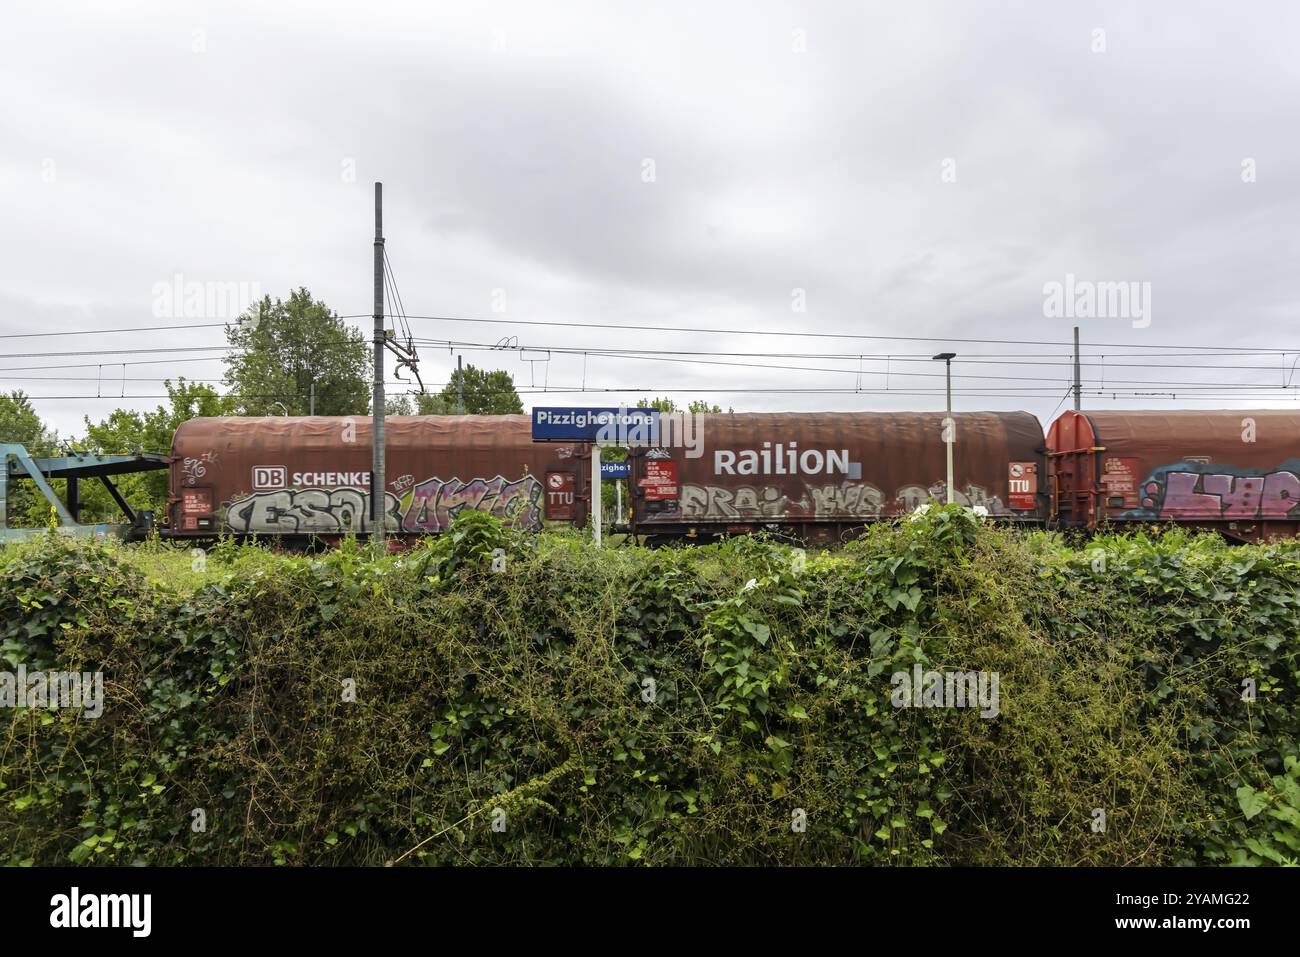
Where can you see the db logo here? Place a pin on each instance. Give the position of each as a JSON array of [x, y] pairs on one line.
[[556, 481], [268, 477]]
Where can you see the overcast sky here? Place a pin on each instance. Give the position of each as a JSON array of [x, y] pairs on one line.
[[890, 169]]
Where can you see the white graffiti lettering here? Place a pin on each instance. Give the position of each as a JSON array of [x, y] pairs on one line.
[[196, 467], [713, 501], [846, 500], [323, 511]]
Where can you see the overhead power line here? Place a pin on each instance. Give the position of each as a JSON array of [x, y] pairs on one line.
[[101, 332], [635, 327], [642, 391], [1101, 366], [403, 318]]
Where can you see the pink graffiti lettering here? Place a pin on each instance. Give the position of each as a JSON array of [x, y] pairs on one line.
[[1281, 493], [1223, 495], [435, 502]]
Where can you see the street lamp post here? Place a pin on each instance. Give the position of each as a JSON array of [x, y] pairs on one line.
[[948, 425]]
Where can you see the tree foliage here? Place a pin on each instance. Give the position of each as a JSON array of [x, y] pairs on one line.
[[485, 393], [398, 405], [20, 425], [280, 349], [665, 404]]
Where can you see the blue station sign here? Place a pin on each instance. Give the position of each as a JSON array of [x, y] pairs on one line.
[[615, 470], [609, 426]]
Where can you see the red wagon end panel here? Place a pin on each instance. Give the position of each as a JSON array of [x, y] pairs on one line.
[[1236, 471], [1072, 470]]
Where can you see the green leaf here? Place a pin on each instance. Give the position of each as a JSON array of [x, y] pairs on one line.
[[1252, 802], [79, 853]]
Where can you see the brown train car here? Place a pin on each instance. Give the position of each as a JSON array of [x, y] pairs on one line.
[[1232, 471], [310, 476], [819, 476]]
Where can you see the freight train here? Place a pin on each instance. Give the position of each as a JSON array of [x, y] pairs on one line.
[[815, 477]]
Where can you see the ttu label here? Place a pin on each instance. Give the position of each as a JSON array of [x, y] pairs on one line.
[[1022, 485]]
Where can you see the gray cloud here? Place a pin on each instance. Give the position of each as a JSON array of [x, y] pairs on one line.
[[511, 141]]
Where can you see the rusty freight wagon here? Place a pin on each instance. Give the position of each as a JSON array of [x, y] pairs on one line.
[[819, 476], [1235, 472], [304, 477]]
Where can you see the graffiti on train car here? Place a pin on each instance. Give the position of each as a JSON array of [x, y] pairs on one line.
[[431, 505], [195, 467], [745, 501], [427, 507], [1208, 491], [857, 500], [290, 511], [911, 497]]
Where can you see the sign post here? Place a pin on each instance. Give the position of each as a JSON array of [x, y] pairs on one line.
[[595, 493], [614, 472]]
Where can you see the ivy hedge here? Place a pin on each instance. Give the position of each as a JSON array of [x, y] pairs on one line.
[[490, 698]]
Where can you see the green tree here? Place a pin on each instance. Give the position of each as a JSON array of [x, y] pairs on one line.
[[280, 349], [485, 393], [668, 405], [126, 432], [20, 425]]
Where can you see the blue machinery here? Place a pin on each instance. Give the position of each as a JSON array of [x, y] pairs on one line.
[[17, 464]]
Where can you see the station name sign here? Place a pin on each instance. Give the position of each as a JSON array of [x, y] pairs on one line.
[[553, 424], [615, 470]]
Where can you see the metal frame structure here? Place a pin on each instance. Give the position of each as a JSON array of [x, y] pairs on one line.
[[17, 463]]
